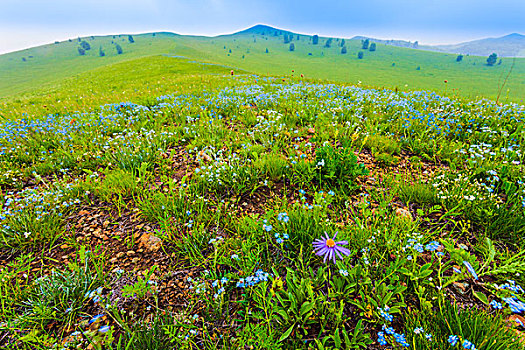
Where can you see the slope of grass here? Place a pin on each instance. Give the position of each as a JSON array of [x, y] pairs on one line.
[[46, 65], [388, 66], [133, 80]]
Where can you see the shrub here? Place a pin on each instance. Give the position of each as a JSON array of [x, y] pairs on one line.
[[491, 60], [360, 55], [338, 167]]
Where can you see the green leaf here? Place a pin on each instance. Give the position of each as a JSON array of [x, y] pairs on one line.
[[306, 308], [481, 297], [286, 334], [337, 339]]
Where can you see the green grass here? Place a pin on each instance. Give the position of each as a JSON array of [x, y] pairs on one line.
[[389, 66], [132, 80]]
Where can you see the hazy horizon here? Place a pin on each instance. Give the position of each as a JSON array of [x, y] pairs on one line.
[[29, 23]]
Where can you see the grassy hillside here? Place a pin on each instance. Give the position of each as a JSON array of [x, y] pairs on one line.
[[134, 80], [389, 66], [46, 65]]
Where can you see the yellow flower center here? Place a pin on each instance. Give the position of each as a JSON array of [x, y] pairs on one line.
[[330, 243]]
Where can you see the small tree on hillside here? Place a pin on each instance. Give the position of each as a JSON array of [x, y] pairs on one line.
[[286, 39], [81, 51], [492, 59], [101, 52], [372, 46], [267, 50], [85, 45], [360, 55], [342, 43], [328, 43], [459, 58], [119, 49], [315, 39], [130, 39], [364, 44], [292, 47], [343, 50]]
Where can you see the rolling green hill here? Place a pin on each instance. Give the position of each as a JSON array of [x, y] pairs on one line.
[[262, 50]]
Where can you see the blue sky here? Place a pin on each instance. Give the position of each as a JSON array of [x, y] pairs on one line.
[[26, 23]]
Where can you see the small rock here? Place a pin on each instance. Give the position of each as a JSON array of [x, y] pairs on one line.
[[462, 246], [150, 242], [120, 255], [135, 260], [311, 130], [130, 253], [403, 214]]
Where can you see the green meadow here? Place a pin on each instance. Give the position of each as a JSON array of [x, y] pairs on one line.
[[182, 196]]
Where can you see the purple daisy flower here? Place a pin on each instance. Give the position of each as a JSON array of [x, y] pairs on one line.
[[328, 248]]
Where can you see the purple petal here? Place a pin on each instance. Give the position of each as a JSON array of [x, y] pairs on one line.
[[322, 251], [338, 254], [332, 253], [343, 250], [342, 242]]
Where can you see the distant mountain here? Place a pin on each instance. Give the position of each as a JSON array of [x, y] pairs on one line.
[[512, 45]]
